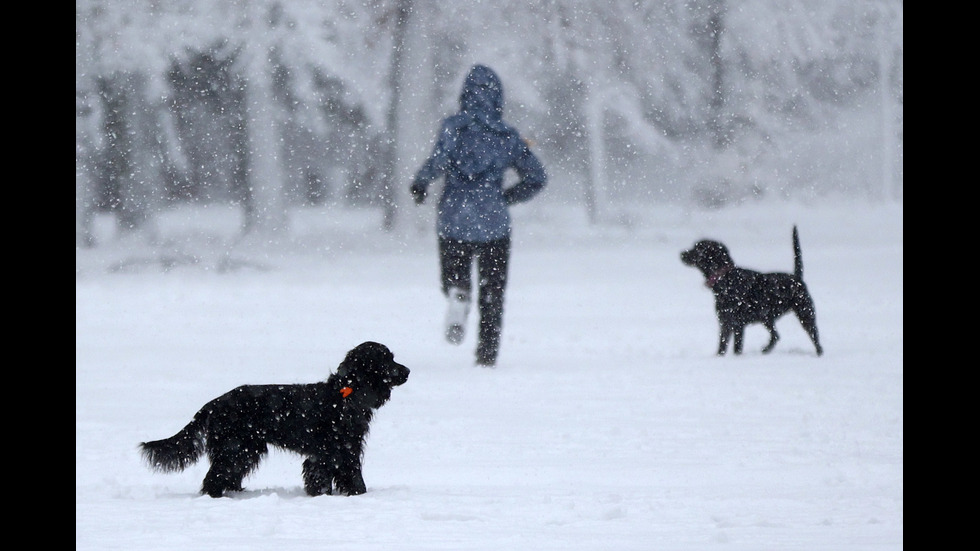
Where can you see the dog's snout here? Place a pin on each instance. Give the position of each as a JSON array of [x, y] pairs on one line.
[[401, 374]]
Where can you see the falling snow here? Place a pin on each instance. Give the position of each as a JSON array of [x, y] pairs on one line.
[[608, 423]]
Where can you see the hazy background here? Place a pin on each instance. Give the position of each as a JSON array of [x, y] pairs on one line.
[[275, 104], [242, 216]]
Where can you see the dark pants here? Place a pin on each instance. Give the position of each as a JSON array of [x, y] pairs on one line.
[[456, 261]]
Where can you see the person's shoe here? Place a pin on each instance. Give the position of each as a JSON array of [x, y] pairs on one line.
[[485, 362], [454, 333], [459, 307]]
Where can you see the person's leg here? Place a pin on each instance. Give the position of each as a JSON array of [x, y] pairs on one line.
[[455, 261], [492, 261]]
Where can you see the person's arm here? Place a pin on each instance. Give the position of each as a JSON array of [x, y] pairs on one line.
[[531, 173], [435, 165]]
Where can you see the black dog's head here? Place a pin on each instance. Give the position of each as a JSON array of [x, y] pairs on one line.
[[370, 370], [708, 256]]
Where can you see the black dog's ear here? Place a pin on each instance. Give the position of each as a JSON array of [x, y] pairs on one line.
[[362, 357]]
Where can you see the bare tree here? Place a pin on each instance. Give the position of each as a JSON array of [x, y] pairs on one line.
[[265, 207], [87, 137], [402, 12], [718, 122], [673, 86], [133, 168]]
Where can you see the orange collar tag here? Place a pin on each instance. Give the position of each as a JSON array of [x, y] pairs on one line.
[[346, 391]]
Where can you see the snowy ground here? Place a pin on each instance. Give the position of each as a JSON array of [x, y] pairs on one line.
[[609, 423]]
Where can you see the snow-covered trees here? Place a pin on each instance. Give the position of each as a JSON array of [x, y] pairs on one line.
[[273, 103], [262, 102]]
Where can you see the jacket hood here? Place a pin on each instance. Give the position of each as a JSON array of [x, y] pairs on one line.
[[483, 95]]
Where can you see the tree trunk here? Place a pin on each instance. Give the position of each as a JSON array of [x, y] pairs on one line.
[[389, 189], [134, 177], [595, 183], [86, 141], [890, 187], [84, 183], [718, 121], [265, 205]]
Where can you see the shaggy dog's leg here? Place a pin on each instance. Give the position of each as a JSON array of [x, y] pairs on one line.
[[220, 479], [351, 482], [347, 474], [316, 477], [231, 461], [344, 476]]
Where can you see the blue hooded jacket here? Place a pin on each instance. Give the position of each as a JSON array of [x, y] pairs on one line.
[[474, 149]]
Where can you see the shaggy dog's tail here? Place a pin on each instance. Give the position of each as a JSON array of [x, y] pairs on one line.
[[797, 255], [180, 450]]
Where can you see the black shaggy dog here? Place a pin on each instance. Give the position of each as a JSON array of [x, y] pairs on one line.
[[326, 422], [745, 296]]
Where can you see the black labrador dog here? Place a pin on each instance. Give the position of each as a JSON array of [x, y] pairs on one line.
[[327, 422], [745, 296]]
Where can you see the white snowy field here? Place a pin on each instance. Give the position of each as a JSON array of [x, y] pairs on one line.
[[609, 422]]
